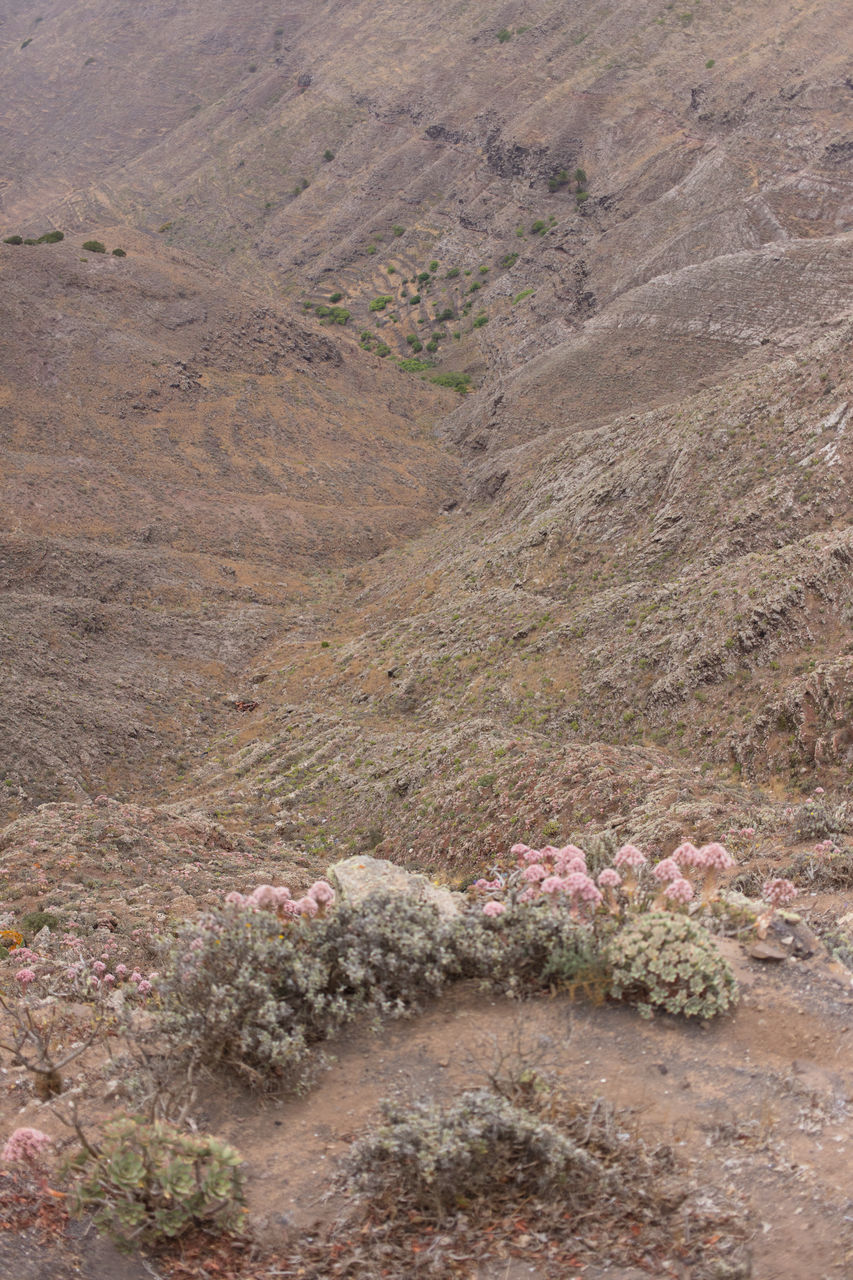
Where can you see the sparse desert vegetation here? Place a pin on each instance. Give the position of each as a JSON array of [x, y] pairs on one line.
[[425, 550]]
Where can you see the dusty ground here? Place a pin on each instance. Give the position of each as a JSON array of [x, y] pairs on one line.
[[756, 1107]]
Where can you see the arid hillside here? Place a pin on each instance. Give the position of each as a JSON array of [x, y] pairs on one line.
[[178, 460], [426, 427], [629, 232]]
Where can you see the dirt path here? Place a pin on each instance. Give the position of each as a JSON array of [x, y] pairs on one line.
[[758, 1104]]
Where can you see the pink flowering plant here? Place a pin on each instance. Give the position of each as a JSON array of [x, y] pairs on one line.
[[548, 919], [776, 893], [26, 1146], [34, 983], [690, 875]]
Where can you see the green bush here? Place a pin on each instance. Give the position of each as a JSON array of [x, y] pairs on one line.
[[446, 314], [509, 260], [398, 230], [458, 381], [380, 303], [414, 300], [119, 253], [336, 315], [476, 1146], [51, 237], [422, 277], [94, 246], [504, 34], [14, 240], [452, 273], [383, 349], [336, 296], [432, 345], [538, 228], [328, 155], [433, 266], [146, 1182], [662, 960], [480, 321], [414, 366], [529, 947], [35, 921]]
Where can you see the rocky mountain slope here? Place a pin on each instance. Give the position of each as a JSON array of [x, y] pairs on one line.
[[630, 231], [424, 427]]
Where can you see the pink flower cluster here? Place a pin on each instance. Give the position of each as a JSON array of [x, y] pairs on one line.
[[551, 873], [779, 892], [25, 1145], [278, 898], [561, 875]]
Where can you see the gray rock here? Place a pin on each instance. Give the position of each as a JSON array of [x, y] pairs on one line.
[[355, 879]]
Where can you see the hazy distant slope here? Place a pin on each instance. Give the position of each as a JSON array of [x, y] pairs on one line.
[[177, 460]]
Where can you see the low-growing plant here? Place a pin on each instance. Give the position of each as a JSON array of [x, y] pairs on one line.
[[335, 315], [380, 303], [398, 230], [34, 921], [245, 992], [667, 962], [452, 273], [94, 246], [253, 992], [504, 34], [144, 1182], [16, 239], [119, 253], [528, 947], [433, 1156], [51, 237], [460, 382]]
